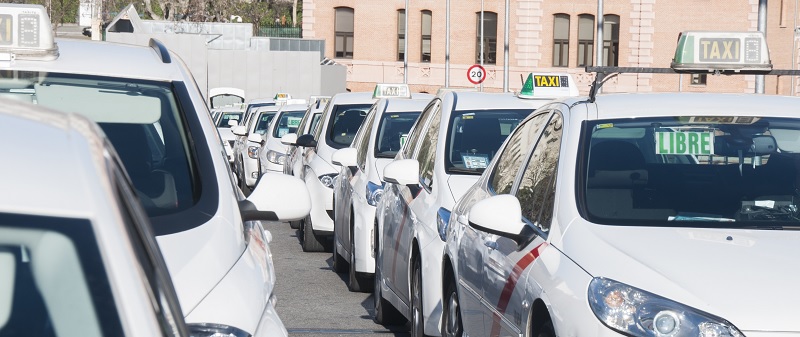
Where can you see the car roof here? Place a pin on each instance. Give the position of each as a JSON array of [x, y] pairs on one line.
[[674, 104], [468, 100], [55, 183], [404, 104], [106, 59], [294, 107], [352, 98], [227, 109], [267, 108], [260, 101]]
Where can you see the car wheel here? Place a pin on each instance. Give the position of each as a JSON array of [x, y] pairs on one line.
[[243, 183], [417, 318], [311, 242], [451, 318], [355, 281], [385, 312], [295, 224]]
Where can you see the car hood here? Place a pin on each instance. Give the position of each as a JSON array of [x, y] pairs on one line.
[[275, 144], [226, 133], [380, 164], [459, 184], [748, 277]]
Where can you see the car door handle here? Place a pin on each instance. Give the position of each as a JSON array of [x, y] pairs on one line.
[[491, 244]]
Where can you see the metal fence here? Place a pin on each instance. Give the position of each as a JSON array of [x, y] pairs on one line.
[[278, 29]]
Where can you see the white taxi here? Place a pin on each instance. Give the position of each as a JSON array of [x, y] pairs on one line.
[[294, 163], [249, 138], [358, 187], [77, 254], [254, 104], [272, 154], [225, 96], [146, 102], [670, 214], [227, 118], [452, 142]]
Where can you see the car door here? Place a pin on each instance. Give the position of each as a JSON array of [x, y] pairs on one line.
[[505, 262]]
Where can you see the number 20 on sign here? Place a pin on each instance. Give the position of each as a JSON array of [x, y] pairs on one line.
[[476, 74]]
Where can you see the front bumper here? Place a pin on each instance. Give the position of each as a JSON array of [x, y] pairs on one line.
[[321, 205]]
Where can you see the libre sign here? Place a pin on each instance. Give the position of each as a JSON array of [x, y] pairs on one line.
[[689, 143]]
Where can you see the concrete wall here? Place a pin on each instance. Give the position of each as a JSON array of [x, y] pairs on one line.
[[260, 73]]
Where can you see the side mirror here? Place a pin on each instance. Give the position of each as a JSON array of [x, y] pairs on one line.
[[344, 157], [277, 197], [240, 130], [255, 138], [499, 215], [306, 141], [233, 123], [402, 172], [289, 139]]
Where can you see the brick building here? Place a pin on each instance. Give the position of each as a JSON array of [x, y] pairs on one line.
[[544, 36]]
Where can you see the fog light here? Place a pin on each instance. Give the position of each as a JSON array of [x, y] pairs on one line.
[[666, 323]]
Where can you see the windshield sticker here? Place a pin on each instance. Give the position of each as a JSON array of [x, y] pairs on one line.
[[293, 122], [282, 132], [469, 116], [685, 143], [403, 139], [475, 161], [605, 126], [395, 116]]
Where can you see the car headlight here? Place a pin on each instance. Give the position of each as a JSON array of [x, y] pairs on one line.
[[328, 179], [442, 220], [374, 193], [252, 151], [215, 330], [276, 157], [636, 312]]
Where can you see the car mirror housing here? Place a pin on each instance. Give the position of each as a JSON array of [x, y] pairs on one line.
[[344, 157], [499, 215], [233, 123], [289, 139], [255, 138], [277, 197], [239, 130], [306, 140], [402, 172]]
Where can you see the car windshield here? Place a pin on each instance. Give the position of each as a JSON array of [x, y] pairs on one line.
[[393, 132], [53, 279], [345, 121], [252, 107], [144, 123], [474, 136], [262, 123], [288, 123], [698, 170], [227, 117]]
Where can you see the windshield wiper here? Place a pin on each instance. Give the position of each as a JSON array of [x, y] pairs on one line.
[[465, 170]]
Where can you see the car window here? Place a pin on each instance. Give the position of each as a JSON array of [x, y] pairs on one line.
[[475, 136], [734, 171], [314, 128], [393, 132], [229, 116], [427, 151], [517, 149], [304, 122], [263, 122], [536, 192], [418, 128], [287, 123], [361, 142], [53, 273], [344, 123]]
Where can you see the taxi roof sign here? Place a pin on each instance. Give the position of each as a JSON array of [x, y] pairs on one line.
[[25, 33], [391, 90], [282, 97], [548, 85], [721, 52]]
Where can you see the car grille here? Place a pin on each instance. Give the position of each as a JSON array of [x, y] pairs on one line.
[[233, 142]]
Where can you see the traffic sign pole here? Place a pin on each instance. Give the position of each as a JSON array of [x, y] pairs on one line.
[[476, 74]]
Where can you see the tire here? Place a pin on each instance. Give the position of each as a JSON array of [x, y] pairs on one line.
[[311, 242], [243, 184], [356, 282], [339, 264], [417, 316], [295, 224], [451, 315], [546, 330], [385, 312]]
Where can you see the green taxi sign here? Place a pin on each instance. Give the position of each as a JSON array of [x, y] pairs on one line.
[[293, 122], [685, 143], [721, 51], [548, 85], [25, 33], [386, 90], [282, 97]]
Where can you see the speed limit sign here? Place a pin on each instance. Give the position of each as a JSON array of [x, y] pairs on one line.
[[476, 74]]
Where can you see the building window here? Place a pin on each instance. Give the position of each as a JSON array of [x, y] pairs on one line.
[[611, 40], [426, 36], [344, 32], [585, 40], [401, 35], [699, 79], [560, 40], [489, 38]]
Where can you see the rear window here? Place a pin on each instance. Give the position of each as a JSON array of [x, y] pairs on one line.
[[345, 121], [474, 137], [393, 132], [288, 123], [707, 171]]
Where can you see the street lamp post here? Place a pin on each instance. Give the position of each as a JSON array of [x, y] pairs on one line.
[[405, 47]]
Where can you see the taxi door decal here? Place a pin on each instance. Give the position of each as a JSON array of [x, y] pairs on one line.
[[511, 283], [397, 240]]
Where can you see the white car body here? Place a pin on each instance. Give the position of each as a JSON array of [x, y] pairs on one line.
[[359, 185], [225, 96], [294, 155], [81, 222], [410, 209], [225, 117], [291, 114], [583, 240], [248, 144], [221, 274]]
